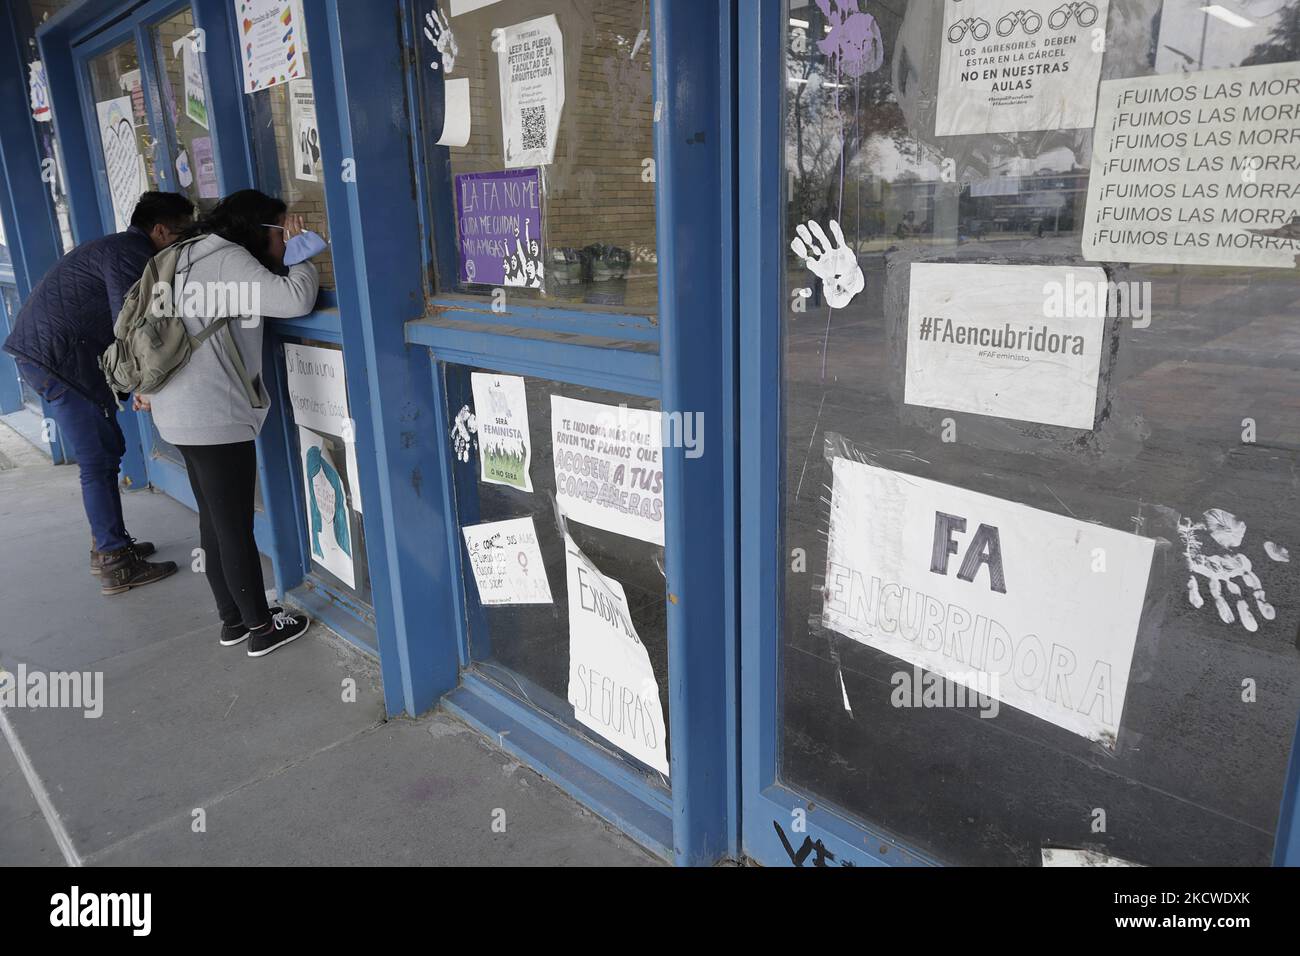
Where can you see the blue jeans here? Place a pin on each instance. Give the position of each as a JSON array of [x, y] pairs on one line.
[[97, 442]]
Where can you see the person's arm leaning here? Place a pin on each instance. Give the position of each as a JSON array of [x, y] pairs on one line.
[[278, 297]]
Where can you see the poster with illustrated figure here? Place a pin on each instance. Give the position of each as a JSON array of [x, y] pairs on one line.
[[306, 138], [507, 562], [272, 42], [504, 444], [609, 470], [612, 684], [530, 64], [318, 395], [123, 164], [1010, 66], [329, 524], [499, 224], [196, 94], [1038, 610]]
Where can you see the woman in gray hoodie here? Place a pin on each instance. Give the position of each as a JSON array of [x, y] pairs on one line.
[[214, 407]]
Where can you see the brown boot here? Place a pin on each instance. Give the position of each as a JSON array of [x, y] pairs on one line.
[[142, 548], [124, 569]]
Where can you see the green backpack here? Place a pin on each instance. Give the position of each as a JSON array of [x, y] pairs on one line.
[[150, 341]]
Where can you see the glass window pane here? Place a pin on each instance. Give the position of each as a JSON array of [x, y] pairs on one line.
[[184, 94], [42, 111], [529, 647], [331, 504], [286, 152], [126, 139], [1195, 774], [581, 155]]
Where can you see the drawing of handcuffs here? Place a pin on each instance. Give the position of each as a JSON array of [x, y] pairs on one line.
[[1084, 12], [1028, 20], [977, 27]]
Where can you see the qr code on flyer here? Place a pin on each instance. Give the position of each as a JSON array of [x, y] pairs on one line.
[[534, 126]]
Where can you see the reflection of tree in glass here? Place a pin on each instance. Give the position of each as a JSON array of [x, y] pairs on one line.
[[833, 111], [1283, 44]]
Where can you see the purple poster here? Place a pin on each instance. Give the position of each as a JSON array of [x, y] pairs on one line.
[[205, 167], [499, 224]]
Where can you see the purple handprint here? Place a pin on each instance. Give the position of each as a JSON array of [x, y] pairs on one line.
[[854, 42]]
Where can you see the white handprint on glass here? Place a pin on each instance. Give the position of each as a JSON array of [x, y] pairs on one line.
[[444, 41], [1223, 568], [835, 264]]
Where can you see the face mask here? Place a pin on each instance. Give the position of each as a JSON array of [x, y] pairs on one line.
[[301, 247]]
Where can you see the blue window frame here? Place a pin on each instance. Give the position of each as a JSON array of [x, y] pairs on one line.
[[683, 357], [784, 824]]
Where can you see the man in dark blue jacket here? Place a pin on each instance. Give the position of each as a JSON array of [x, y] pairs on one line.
[[61, 330]]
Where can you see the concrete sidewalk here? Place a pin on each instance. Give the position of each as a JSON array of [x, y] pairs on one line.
[[264, 753]]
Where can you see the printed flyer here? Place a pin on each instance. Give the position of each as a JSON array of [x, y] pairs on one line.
[[504, 444], [1035, 609], [123, 163], [609, 469], [1017, 342], [530, 61], [1198, 169], [306, 137], [272, 42], [507, 562], [612, 685], [499, 222], [318, 394], [1009, 66], [196, 94], [329, 522]]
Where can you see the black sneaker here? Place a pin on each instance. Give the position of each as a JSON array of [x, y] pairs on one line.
[[230, 636], [142, 549], [284, 628], [124, 569]]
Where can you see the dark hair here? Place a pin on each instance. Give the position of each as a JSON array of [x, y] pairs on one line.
[[166, 208], [241, 218]]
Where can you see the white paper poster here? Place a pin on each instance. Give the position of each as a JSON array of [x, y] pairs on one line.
[[456, 121], [1017, 65], [504, 443], [306, 137], [465, 6], [612, 685], [530, 61], [196, 94], [1198, 169], [271, 42], [507, 562], [329, 525], [183, 173], [318, 395], [123, 163], [1005, 599], [39, 89], [1018, 342], [609, 467], [318, 389]]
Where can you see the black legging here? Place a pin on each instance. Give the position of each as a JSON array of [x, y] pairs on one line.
[[223, 478]]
